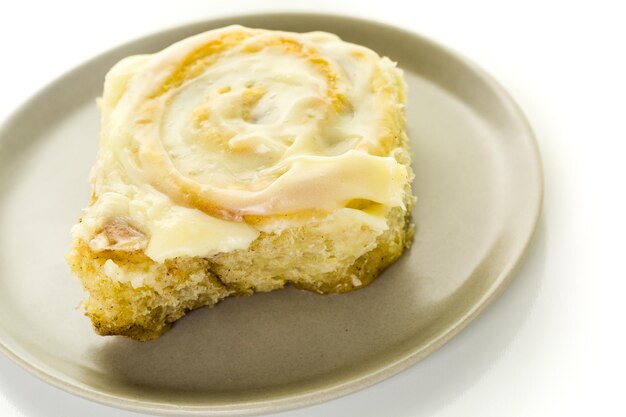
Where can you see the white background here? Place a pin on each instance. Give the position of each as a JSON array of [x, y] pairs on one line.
[[553, 343]]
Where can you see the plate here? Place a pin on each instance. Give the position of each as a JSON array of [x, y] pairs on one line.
[[479, 183]]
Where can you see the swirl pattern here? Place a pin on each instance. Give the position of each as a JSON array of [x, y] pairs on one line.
[[251, 122]]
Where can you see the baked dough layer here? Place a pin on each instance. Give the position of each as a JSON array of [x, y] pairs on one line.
[[307, 256]]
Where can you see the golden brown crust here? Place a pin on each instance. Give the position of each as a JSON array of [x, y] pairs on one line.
[[143, 313]]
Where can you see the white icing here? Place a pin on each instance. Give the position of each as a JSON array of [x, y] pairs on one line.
[[260, 130]]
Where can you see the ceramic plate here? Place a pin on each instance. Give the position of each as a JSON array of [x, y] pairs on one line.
[[479, 182]]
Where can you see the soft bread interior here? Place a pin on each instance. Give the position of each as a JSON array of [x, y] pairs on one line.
[[325, 255]]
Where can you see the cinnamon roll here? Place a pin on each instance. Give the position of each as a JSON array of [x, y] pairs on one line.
[[241, 160]]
